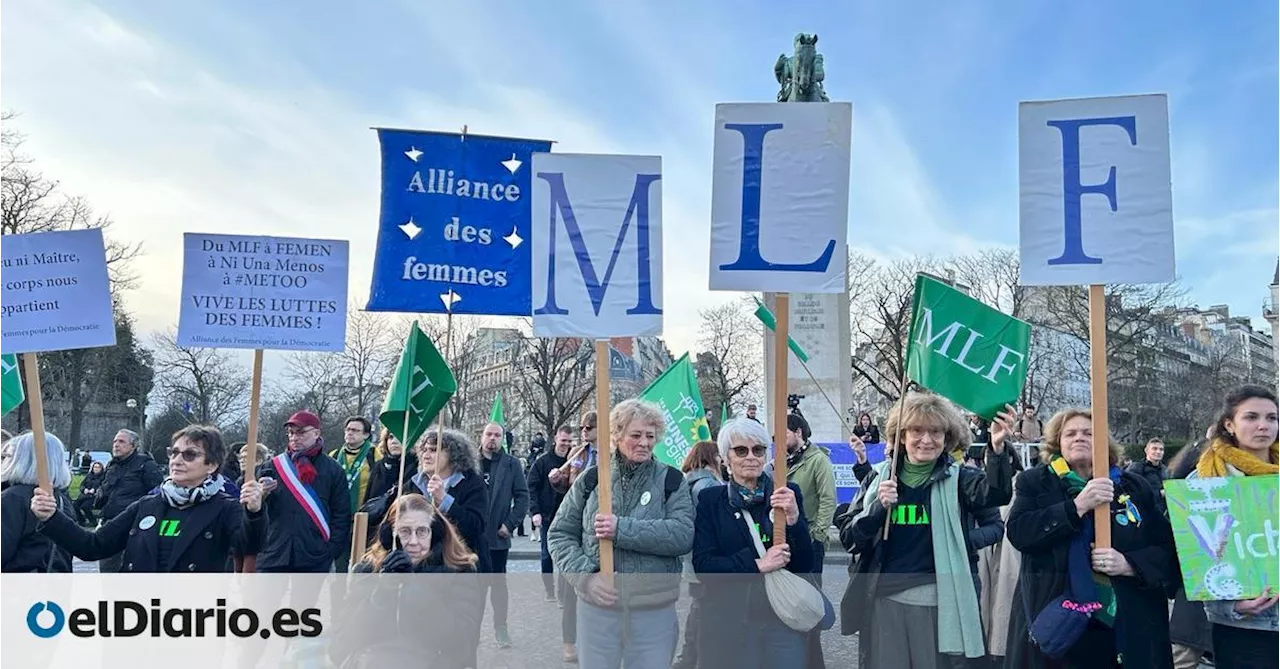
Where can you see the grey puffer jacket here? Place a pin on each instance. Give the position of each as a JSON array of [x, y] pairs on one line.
[[650, 540]]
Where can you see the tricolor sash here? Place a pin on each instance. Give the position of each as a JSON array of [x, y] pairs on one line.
[[302, 492]]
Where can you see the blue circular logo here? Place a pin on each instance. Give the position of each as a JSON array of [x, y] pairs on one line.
[[42, 631]]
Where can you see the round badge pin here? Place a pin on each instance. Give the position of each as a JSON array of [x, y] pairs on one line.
[[147, 522], [1122, 519], [644, 499]]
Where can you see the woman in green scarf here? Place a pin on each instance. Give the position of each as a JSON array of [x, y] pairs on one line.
[[912, 596]]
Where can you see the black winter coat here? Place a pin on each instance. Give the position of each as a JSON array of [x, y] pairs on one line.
[[208, 531], [1042, 523], [543, 499], [508, 499], [430, 618], [979, 489], [383, 476], [126, 481], [24, 548], [469, 513], [293, 542], [1154, 475], [91, 483]]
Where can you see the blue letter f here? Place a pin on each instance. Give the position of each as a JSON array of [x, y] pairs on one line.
[[1072, 189]]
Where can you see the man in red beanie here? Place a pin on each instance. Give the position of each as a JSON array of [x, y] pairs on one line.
[[309, 508]]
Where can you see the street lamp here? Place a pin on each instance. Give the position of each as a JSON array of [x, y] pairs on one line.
[[133, 404]]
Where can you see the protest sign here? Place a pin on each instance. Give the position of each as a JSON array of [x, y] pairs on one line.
[[1095, 191], [780, 196], [453, 233], [263, 293], [56, 295], [1227, 535], [597, 245]]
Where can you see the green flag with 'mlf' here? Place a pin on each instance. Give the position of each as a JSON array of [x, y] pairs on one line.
[[676, 391], [421, 386], [964, 350], [11, 392]]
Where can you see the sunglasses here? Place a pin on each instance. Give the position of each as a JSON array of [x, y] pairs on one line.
[[187, 454], [744, 451]]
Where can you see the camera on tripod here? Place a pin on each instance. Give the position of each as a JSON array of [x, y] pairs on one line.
[[793, 404]]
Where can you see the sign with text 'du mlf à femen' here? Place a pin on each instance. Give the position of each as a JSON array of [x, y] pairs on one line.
[[780, 197], [1095, 191], [453, 233], [597, 245], [263, 292]]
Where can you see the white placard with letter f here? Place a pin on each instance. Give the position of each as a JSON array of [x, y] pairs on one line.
[[1095, 192], [597, 245]]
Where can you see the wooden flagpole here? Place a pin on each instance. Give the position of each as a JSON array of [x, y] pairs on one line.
[[31, 369], [604, 451], [778, 406], [897, 440], [255, 399], [1098, 391]]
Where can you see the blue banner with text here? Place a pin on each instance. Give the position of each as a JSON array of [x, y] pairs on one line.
[[453, 233]]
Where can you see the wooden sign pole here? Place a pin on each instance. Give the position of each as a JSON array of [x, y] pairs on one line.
[[604, 448], [360, 534], [1098, 389], [778, 404], [31, 368], [255, 399]]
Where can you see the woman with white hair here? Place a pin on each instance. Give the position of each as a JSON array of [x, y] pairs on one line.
[[630, 621], [25, 549], [739, 626]]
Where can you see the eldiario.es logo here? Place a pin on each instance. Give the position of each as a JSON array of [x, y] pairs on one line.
[[124, 618]]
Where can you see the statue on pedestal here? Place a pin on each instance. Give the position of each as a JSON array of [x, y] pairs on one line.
[[801, 75]]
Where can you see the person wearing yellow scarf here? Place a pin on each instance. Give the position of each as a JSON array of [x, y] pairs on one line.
[[1245, 632]]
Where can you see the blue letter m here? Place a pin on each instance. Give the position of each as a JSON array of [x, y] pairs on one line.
[[639, 208]]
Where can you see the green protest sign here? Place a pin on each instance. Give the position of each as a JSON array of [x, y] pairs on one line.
[[13, 394], [964, 350], [1227, 535]]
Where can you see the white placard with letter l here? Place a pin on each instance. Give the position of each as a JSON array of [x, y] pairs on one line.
[[263, 292], [780, 196], [57, 294], [597, 245], [1095, 191]]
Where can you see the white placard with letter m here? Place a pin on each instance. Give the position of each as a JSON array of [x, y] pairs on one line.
[[1095, 193], [597, 245]]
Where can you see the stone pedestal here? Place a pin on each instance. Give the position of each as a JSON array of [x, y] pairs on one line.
[[820, 325]]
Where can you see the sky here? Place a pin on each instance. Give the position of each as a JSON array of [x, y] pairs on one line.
[[254, 118]]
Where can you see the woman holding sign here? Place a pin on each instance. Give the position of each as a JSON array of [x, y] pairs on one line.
[[1077, 605], [1243, 443], [912, 596]]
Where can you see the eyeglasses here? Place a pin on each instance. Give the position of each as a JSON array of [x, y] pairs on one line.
[[744, 451], [187, 454], [297, 431], [423, 534]]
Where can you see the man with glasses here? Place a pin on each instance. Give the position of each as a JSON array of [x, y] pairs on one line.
[[130, 475], [308, 507], [357, 458]]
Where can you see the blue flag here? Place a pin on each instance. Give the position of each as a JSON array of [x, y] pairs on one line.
[[454, 229]]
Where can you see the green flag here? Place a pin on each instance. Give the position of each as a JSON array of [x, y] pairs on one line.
[[11, 392], [964, 350], [421, 386], [766, 317], [496, 414], [724, 413], [676, 391]]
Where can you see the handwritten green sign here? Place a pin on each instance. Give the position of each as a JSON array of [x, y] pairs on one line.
[[1227, 534]]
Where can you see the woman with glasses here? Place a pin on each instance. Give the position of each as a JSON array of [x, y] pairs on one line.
[[738, 625], [398, 617], [25, 549], [911, 596], [188, 525]]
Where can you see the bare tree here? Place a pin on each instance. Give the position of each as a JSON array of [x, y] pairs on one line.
[[880, 318], [206, 382], [368, 358], [730, 361], [554, 378]]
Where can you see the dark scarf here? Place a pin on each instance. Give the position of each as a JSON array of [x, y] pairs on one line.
[[302, 460], [633, 481], [742, 498], [793, 459]]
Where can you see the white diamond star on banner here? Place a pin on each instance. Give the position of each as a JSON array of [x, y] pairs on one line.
[[514, 238], [410, 229], [413, 153], [512, 164]]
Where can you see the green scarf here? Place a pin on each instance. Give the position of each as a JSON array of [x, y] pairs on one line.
[[352, 469], [914, 475], [1106, 594]]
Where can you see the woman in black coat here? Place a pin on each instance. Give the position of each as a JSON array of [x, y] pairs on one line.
[[189, 525], [448, 476], [417, 602], [386, 468], [25, 549], [1052, 511], [89, 486]]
